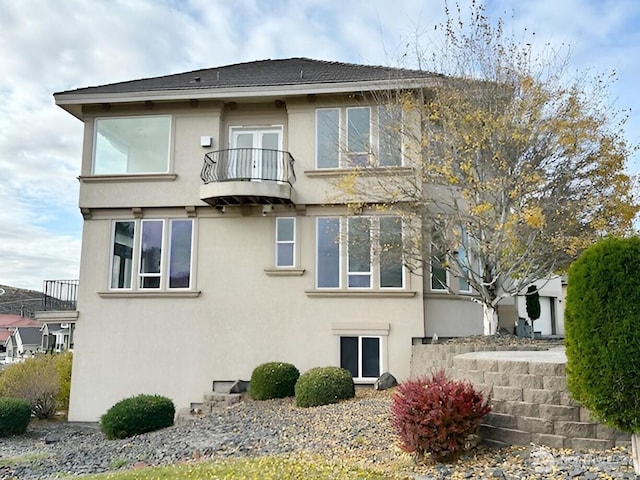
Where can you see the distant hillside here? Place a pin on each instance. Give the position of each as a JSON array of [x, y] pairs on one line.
[[20, 301]]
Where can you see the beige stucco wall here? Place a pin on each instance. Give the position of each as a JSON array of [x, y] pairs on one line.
[[239, 312], [242, 317]]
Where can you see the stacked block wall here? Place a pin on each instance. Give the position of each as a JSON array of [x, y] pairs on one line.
[[531, 401]]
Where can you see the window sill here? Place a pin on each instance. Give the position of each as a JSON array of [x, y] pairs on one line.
[[449, 295], [360, 293], [136, 177], [374, 171], [284, 272], [149, 294]]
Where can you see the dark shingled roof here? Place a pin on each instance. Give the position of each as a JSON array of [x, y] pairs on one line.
[[266, 73], [30, 335]]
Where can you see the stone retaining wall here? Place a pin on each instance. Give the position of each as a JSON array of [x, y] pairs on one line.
[[531, 401]]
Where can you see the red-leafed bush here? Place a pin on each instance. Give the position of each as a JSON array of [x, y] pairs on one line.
[[436, 415]]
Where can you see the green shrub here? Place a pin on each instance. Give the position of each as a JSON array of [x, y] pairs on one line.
[[63, 363], [35, 380], [273, 380], [602, 331], [15, 415], [436, 415], [324, 385], [136, 415]]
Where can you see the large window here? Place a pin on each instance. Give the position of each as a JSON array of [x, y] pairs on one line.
[[370, 137], [129, 145], [373, 247], [162, 259], [362, 356]]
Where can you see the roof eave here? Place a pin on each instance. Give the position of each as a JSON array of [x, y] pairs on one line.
[[72, 102]]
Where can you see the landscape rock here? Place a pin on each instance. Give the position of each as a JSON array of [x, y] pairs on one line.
[[385, 382], [240, 386]]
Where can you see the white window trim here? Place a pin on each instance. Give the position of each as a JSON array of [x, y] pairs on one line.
[[163, 253], [374, 138], [372, 261], [340, 253], [381, 355], [341, 138], [191, 253], [286, 242], [343, 255], [164, 263], [129, 174], [445, 288], [112, 252]]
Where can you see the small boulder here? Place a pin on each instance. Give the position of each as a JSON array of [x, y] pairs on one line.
[[52, 438], [385, 382], [240, 386]]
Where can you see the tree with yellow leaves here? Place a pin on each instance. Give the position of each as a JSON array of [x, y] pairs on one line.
[[517, 166]]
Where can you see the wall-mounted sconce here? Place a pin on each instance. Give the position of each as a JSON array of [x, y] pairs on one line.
[[206, 141]]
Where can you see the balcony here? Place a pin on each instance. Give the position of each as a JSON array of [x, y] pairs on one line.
[[59, 295], [247, 176], [59, 303]]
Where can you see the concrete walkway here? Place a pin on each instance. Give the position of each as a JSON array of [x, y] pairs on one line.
[[553, 355]]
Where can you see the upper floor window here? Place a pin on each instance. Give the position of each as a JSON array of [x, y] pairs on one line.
[[159, 251], [359, 136], [126, 145], [373, 247]]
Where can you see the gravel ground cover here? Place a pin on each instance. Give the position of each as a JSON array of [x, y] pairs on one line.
[[356, 431]]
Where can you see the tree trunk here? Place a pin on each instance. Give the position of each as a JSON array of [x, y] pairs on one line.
[[635, 452], [490, 319]]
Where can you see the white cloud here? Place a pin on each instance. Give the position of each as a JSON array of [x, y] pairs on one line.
[[56, 46]]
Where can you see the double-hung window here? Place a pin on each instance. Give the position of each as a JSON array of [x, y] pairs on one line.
[[152, 254], [361, 136], [373, 252], [131, 145]]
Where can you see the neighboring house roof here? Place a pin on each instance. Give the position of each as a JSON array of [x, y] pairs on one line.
[[13, 321], [259, 78], [4, 335], [29, 335]]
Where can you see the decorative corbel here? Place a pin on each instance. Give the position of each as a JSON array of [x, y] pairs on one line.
[[191, 210]]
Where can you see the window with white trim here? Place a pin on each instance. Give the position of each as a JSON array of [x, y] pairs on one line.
[[359, 136], [440, 274], [373, 247], [159, 251], [130, 145], [285, 241], [362, 356]]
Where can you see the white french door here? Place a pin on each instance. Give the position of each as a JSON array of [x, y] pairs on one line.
[[256, 152]]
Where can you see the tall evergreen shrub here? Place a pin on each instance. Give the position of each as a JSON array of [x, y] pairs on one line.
[[602, 328]]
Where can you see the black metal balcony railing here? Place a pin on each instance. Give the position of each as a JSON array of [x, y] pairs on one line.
[[60, 295], [244, 164]]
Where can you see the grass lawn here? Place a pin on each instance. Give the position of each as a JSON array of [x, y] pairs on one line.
[[260, 468]]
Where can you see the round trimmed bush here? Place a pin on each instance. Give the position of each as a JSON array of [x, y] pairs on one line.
[[602, 331], [15, 415], [324, 385], [136, 415], [273, 380]]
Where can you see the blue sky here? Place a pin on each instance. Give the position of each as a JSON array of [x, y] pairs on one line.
[[48, 46]]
